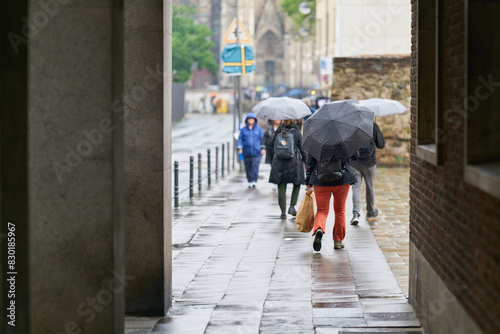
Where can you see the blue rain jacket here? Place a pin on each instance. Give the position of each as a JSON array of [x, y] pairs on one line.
[[250, 140]]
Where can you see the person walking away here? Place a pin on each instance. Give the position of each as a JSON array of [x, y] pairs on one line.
[[249, 144], [287, 164], [364, 165], [323, 191], [311, 106], [267, 141]]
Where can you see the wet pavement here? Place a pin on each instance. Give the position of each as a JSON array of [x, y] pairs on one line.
[[391, 228], [239, 268]]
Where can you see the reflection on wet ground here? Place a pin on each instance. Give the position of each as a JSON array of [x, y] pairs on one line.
[[239, 268]]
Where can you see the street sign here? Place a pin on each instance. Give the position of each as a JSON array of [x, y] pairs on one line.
[[231, 33], [326, 66], [238, 59]]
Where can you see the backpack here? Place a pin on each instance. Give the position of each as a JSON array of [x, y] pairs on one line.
[[330, 170], [367, 150], [284, 145]]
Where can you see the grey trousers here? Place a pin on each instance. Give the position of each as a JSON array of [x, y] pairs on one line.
[[368, 173]]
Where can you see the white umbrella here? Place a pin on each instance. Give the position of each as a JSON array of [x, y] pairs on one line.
[[279, 108], [383, 107]]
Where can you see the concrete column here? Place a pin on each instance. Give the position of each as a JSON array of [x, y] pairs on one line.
[[147, 156], [61, 157]]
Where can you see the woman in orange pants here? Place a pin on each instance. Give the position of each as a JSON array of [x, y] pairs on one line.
[[323, 191]]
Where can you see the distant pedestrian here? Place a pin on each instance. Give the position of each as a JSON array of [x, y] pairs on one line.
[[364, 164], [311, 106], [323, 191], [287, 170], [212, 103], [202, 105], [249, 144]]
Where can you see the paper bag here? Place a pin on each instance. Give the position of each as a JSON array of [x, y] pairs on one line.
[[305, 213]]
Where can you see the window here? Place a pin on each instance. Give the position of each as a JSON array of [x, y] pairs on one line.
[[482, 103], [429, 84]]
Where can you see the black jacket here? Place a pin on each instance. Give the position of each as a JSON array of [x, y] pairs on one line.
[[267, 141], [312, 178], [288, 170], [379, 142]]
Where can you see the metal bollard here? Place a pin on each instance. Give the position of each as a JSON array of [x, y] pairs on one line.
[[208, 168], [176, 184], [199, 171], [191, 176], [234, 152], [222, 161], [216, 162], [228, 159]]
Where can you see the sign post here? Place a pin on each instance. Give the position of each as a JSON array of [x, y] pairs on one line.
[[236, 34]]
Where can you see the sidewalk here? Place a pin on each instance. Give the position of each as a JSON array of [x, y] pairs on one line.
[[238, 268]]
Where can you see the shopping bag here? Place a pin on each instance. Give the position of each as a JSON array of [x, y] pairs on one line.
[[305, 213]]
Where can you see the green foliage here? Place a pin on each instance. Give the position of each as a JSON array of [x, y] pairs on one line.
[[190, 44], [291, 9]]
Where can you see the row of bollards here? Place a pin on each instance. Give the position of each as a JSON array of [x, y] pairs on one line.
[[209, 171]]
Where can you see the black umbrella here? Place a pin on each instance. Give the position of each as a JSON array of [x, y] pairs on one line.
[[337, 129]]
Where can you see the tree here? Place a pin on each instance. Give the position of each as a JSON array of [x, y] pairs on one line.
[[190, 44], [291, 9]]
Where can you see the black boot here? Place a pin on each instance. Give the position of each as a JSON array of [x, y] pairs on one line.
[[317, 239]]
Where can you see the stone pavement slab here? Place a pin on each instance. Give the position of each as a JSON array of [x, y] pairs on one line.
[[239, 268]]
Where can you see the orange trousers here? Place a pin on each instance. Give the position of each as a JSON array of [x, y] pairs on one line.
[[323, 195]]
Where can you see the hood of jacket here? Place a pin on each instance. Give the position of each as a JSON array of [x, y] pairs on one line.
[[251, 115]]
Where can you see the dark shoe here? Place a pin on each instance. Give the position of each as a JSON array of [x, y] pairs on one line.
[[355, 219], [292, 211], [338, 244], [283, 215], [317, 240], [373, 214]]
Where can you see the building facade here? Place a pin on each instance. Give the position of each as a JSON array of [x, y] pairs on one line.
[[455, 166], [361, 28]]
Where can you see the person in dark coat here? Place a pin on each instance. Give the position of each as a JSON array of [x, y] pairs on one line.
[[267, 141], [284, 171], [249, 144], [366, 168], [323, 191]]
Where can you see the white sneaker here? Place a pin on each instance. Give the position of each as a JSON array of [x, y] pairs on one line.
[[338, 244]]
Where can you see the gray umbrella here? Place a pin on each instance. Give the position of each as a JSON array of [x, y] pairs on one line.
[[337, 129], [279, 108]]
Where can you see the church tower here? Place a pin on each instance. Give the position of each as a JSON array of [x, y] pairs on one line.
[[269, 44]]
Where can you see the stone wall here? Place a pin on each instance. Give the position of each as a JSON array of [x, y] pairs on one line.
[[382, 77]]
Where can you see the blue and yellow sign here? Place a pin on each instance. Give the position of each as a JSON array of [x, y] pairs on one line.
[[238, 59]]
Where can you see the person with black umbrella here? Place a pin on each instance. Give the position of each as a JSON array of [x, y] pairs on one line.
[[324, 190], [331, 135]]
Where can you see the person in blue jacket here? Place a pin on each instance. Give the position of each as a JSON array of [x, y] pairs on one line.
[[249, 144]]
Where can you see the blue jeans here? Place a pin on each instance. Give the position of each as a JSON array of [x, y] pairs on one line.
[[252, 167]]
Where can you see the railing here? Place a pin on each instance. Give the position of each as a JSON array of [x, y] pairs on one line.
[[178, 189]]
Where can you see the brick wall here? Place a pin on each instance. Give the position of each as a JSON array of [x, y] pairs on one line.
[[454, 225], [382, 77]]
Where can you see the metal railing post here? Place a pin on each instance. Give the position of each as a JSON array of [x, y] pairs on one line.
[[176, 184], [222, 161], [199, 171], [191, 176], [216, 162], [208, 168]]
